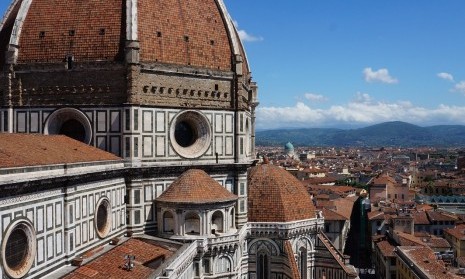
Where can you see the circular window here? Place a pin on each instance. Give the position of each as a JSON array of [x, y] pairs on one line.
[[19, 248], [184, 134], [103, 217], [190, 134], [69, 122]]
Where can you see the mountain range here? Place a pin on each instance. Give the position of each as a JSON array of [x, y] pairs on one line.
[[397, 133]]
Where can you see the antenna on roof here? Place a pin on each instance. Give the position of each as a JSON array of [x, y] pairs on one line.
[[129, 262]]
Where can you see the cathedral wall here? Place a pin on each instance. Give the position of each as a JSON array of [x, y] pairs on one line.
[[63, 222], [145, 133], [183, 87], [68, 83]]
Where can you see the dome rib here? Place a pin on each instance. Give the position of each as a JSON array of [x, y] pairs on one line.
[[196, 187], [277, 196]]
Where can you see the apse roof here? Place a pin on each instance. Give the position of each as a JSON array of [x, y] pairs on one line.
[[277, 196], [196, 187]]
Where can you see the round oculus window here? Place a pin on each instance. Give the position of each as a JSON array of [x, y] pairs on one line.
[[19, 248], [69, 122], [103, 218], [190, 134]]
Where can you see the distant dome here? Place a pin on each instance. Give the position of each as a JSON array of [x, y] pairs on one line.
[[275, 195], [288, 146]]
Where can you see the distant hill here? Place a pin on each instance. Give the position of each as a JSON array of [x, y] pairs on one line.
[[395, 133]]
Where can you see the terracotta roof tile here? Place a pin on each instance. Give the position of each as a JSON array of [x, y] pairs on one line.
[[196, 186], [440, 216], [344, 206], [375, 215], [420, 218], [425, 259], [275, 195], [110, 264], [386, 248], [330, 215], [46, 150], [457, 232]]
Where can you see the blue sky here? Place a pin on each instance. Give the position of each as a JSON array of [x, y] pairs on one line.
[[352, 63]]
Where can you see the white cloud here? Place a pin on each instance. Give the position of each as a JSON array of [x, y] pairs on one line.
[[446, 76], [460, 87], [244, 36], [315, 97], [381, 75], [360, 112], [362, 98]]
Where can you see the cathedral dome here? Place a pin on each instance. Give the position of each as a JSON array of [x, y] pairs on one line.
[[196, 187], [190, 33], [277, 196]]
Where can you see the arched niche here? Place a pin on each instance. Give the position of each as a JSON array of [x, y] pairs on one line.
[[192, 223]]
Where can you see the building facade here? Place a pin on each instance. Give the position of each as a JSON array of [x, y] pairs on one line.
[[164, 86]]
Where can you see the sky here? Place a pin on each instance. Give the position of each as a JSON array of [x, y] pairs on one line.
[[353, 63]]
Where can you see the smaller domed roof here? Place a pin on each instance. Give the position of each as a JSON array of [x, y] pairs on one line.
[[196, 187], [275, 195], [289, 146]]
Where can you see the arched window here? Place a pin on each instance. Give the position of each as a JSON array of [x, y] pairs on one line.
[[223, 265], [217, 222], [232, 219], [168, 222], [303, 262], [192, 224], [263, 266], [248, 145]]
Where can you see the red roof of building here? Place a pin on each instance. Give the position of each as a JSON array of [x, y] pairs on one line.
[[275, 195], [387, 250], [457, 232], [110, 264], [25, 150], [330, 215], [424, 258], [420, 218], [196, 187]]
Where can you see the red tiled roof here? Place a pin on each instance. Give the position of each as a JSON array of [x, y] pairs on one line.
[[387, 250], [383, 180], [110, 264], [330, 215], [440, 216], [420, 218], [25, 150], [275, 195], [196, 186], [425, 259], [375, 215], [457, 232], [344, 206]]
